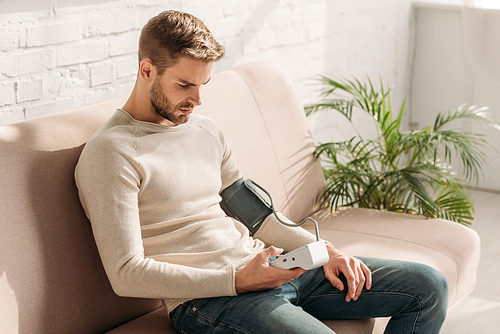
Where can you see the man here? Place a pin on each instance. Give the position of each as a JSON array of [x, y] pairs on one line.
[[149, 180]]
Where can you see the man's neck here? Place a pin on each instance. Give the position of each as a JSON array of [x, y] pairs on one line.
[[140, 109]]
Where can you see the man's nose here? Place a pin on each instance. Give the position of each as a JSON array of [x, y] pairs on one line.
[[195, 97]]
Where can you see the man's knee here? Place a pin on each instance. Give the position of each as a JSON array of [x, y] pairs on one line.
[[433, 286], [441, 289]]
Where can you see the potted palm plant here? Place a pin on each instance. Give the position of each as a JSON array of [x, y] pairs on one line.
[[406, 171]]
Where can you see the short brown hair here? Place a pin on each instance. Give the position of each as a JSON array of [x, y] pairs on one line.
[[173, 34]]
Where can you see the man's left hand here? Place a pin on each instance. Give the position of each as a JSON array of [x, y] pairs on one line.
[[357, 274]]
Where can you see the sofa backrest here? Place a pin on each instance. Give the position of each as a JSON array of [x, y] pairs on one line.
[[258, 109], [51, 278]]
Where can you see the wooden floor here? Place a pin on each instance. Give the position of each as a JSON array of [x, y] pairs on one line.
[[479, 312]]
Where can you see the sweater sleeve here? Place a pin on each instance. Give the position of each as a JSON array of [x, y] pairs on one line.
[[108, 182], [230, 172]]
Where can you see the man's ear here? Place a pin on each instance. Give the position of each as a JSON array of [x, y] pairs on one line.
[[147, 70]]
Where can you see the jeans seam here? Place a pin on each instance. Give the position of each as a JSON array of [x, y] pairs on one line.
[[407, 295], [297, 300], [372, 293], [175, 313], [383, 292]]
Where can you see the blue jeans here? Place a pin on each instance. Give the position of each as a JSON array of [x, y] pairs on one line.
[[414, 295]]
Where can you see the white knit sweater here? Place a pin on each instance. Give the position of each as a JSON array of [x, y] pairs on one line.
[[151, 193]]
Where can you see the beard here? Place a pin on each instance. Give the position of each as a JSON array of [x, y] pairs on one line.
[[165, 108]]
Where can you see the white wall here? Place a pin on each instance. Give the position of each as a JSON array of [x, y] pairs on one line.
[[443, 81], [59, 54]]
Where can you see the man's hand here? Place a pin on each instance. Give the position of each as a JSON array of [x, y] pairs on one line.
[[258, 274], [356, 272]]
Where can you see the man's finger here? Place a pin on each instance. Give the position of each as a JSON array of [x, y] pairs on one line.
[[361, 284], [271, 251], [368, 276], [336, 282], [352, 283]]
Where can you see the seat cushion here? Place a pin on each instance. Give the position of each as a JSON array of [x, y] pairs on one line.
[[157, 322]]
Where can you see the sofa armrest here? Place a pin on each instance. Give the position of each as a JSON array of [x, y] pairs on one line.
[[449, 247]]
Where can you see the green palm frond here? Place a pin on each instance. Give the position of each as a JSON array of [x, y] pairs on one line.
[[464, 112], [403, 171]]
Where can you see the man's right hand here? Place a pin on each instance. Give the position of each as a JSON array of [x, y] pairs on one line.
[[258, 274]]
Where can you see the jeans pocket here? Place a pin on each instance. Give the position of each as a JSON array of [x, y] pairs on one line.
[[194, 305], [190, 307], [187, 318]]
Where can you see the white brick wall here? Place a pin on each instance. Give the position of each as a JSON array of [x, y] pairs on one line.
[[7, 93], [52, 33], [29, 90], [57, 55]]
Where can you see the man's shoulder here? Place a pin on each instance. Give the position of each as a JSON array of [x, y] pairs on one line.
[[115, 132], [109, 150]]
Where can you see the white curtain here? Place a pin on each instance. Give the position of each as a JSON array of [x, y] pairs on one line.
[[481, 31]]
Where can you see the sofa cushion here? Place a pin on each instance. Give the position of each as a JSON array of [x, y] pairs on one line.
[[157, 322]]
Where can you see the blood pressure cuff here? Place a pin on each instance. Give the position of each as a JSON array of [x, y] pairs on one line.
[[242, 202]]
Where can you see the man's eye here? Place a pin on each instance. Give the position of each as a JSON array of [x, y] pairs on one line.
[[183, 86]]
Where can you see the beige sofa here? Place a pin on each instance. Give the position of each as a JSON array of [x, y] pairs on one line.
[[51, 277]]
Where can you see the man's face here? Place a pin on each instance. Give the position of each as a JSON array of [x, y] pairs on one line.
[[176, 92]]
